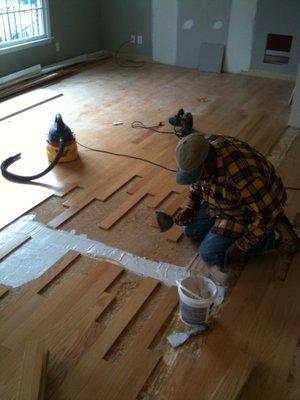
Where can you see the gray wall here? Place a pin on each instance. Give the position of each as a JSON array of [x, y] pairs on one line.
[[204, 14], [240, 35], [281, 17], [74, 23], [121, 18], [164, 31], [295, 113]]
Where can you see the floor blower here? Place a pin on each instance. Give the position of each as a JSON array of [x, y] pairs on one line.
[[61, 147]]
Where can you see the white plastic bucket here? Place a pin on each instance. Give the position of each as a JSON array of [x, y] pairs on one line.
[[194, 311]]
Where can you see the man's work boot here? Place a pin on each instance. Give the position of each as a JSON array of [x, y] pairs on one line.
[[288, 241]]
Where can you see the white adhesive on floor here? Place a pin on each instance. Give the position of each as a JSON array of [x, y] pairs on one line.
[[46, 246]]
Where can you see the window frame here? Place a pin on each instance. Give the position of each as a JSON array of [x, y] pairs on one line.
[[25, 43]]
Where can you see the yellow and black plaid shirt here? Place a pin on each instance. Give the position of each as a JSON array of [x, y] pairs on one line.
[[245, 195]]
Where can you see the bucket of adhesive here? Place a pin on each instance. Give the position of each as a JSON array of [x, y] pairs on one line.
[[196, 297]]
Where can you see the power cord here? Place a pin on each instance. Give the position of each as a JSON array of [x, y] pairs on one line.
[[127, 156], [131, 63], [154, 128]]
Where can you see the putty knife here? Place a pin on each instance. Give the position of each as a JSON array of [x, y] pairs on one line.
[[164, 221], [177, 339]]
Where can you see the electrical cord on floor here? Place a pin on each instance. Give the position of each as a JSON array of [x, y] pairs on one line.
[[127, 156], [130, 63], [144, 160], [154, 128]]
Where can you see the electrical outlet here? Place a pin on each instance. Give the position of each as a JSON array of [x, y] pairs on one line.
[[132, 39], [140, 39], [57, 46]]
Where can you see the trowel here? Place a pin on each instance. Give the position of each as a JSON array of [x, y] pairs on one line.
[[178, 338], [164, 221]]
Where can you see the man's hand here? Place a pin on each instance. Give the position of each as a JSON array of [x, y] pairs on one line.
[[184, 217], [234, 255]]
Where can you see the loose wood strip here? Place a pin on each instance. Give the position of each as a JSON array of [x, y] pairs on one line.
[[27, 85], [3, 291], [174, 234], [235, 378], [79, 376], [34, 370], [115, 216], [13, 244], [9, 115]]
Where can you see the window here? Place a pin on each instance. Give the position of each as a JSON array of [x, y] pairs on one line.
[[23, 22], [278, 48]]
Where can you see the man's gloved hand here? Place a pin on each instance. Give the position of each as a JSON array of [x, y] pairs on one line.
[[184, 217], [234, 255]]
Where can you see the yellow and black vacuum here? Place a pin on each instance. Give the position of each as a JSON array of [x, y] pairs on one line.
[[61, 147]]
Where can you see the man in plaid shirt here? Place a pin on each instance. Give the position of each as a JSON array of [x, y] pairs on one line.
[[236, 198]]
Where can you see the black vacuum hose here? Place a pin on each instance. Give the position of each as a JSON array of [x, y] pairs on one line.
[[19, 178]]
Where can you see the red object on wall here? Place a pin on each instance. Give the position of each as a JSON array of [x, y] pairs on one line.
[[279, 42]]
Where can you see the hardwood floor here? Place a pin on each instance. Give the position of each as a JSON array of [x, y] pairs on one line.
[[107, 338], [255, 109]]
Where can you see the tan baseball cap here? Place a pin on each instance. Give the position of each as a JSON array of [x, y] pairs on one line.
[[190, 154]]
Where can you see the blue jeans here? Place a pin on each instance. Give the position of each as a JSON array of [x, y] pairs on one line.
[[213, 247]]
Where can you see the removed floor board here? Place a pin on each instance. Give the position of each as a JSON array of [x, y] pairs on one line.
[[24, 102]]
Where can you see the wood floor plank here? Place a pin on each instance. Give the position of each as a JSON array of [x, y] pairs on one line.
[[295, 391], [79, 376], [69, 213], [24, 304], [94, 299], [174, 234], [22, 103], [111, 381], [13, 245], [50, 310], [116, 215], [3, 291], [273, 337], [235, 378], [34, 370], [113, 186], [254, 112], [199, 378], [156, 200], [146, 176]]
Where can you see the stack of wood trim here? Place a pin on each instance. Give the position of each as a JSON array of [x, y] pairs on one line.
[[36, 75]]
